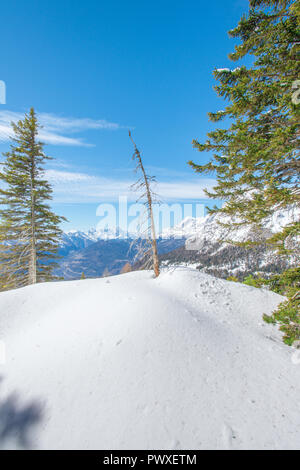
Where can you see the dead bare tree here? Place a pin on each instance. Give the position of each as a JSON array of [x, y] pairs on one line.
[[15, 260], [144, 184], [126, 268]]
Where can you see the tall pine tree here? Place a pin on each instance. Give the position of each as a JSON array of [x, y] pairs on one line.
[[256, 159], [29, 230]]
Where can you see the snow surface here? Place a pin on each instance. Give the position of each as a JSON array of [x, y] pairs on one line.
[[183, 361]]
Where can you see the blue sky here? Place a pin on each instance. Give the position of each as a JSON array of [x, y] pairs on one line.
[[92, 69]]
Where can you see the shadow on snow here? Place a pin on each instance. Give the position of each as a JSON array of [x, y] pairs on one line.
[[17, 421]]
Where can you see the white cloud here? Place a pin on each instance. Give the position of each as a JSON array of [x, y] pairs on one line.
[[57, 123], [56, 129], [82, 187], [184, 189], [5, 132], [56, 176]]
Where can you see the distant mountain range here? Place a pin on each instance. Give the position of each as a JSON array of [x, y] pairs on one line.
[[92, 253], [210, 252], [197, 241]]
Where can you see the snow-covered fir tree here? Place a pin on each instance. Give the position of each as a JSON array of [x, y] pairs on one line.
[[29, 230], [256, 159]]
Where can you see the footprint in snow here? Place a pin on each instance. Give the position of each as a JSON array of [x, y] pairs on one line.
[[194, 317], [175, 445], [228, 436]]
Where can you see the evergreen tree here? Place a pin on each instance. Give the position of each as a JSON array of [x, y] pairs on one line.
[[29, 230], [256, 159], [287, 314]]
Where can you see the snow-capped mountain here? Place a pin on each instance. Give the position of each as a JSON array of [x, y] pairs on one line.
[[200, 241], [92, 253], [187, 228], [75, 240], [208, 248], [209, 229]]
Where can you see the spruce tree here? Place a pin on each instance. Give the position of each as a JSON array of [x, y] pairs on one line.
[[256, 158], [29, 230]]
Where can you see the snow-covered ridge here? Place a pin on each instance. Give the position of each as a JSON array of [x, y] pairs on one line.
[[207, 226], [209, 230], [186, 228], [207, 247], [94, 234], [94, 251], [183, 361]]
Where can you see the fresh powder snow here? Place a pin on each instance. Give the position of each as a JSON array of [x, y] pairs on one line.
[[183, 361]]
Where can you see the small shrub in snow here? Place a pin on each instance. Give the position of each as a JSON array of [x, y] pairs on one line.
[[287, 315], [254, 282], [232, 279]]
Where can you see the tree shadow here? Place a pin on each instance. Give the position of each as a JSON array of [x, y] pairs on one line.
[[17, 421]]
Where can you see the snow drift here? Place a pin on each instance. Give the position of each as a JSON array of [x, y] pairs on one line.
[[179, 362]]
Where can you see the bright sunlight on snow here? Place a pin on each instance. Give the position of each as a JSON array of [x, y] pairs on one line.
[[183, 361]]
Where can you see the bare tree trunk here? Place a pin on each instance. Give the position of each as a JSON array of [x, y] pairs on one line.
[[154, 244], [32, 277], [32, 260], [150, 209]]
